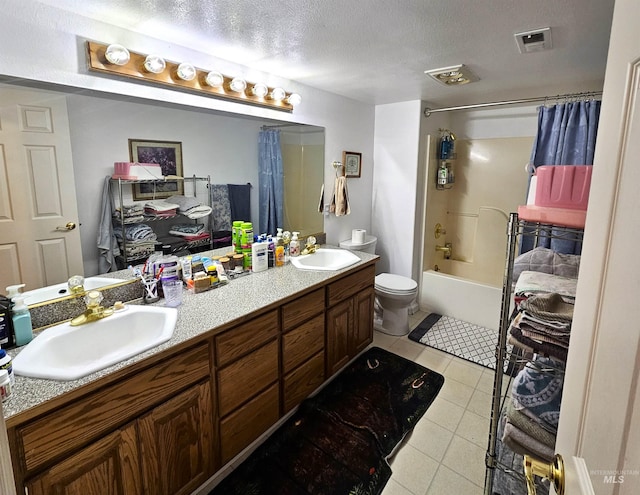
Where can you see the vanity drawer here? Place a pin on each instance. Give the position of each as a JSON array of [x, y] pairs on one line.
[[246, 424], [244, 338], [243, 379], [302, 309], [302, 381], [302, 343], [348, 286], [101, 412]]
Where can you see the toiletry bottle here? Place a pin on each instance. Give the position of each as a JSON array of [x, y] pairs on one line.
[[279, 249], [286, 237], [246, 240], [271, 252], [14, 290], [7, 339], [260, 256], [236, 232], [7, 364], [186, 269], [21, 321], [294, 245]]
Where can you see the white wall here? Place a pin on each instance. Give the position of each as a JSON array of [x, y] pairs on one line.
[[396, 154], [42, 43]]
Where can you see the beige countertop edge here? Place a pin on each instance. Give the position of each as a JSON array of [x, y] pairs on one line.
[[199, 316]]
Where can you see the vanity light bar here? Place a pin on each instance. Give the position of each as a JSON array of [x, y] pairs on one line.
[[154, 69]]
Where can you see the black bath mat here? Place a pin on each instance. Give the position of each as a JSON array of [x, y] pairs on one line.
[[339, 440]]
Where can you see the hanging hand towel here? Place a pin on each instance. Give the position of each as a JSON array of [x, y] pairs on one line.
[[321, 202], [340, 200]]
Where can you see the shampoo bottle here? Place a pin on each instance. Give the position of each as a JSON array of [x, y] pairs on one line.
[[6, 325], [21, 321]]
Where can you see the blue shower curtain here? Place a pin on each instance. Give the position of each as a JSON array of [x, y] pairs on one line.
[[271, 181], [566, 136]]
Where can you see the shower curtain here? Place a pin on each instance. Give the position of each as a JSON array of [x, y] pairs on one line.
[[566, 136], [271, 181]]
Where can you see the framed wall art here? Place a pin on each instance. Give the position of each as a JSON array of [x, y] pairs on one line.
[[352, 163], [167, 154]]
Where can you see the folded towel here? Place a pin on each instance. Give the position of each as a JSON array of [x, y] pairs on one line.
[[538, 387], [160, 206], [550, 306], [340, 201], [521, 443], [527, 425], [190, 206]]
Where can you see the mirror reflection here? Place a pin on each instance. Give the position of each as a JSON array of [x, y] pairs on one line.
[[60, 144]]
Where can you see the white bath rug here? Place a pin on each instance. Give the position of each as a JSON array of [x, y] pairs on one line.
[[465, 340]]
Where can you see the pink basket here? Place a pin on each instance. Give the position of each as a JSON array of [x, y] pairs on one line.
[[563, 186]]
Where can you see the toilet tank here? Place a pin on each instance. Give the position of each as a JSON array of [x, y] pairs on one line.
[[368, 246]]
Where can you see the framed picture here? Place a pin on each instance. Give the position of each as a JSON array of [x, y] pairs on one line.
[[352, 163], [167, 154]]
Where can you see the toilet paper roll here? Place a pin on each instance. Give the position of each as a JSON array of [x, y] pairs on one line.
[[358, 236]]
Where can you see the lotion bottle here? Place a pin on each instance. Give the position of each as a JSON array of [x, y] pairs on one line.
[[21, 321], [259, 256], [294, 245]]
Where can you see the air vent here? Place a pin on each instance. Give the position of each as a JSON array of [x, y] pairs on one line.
[[534, 41], [453, 76]]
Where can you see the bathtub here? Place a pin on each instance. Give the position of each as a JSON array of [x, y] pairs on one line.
[[460, 298]]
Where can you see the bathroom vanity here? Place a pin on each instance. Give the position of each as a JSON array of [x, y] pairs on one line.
[[242, 356]]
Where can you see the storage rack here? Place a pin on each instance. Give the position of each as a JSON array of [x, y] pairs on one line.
[[193, 246], [507, 361]]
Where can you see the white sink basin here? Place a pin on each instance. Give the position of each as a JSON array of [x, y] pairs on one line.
[[63, 352], [36, 296], [325, 259]]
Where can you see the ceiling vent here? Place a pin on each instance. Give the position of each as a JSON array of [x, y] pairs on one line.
[[534, 41], [453, 76]]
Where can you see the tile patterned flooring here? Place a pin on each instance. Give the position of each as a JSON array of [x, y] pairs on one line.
[[444, 455]]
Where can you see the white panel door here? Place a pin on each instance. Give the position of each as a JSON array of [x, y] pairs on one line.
[[39, 234]]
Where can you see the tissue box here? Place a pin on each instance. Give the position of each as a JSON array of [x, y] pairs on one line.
[[563, 186], [136, 171]]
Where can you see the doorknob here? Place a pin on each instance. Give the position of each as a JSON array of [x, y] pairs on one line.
[[553, 471], [69, 226]]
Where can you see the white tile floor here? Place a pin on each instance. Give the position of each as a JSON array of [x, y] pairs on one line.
[[445, 453]]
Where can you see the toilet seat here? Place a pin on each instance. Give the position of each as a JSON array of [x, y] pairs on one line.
[[389, 283]]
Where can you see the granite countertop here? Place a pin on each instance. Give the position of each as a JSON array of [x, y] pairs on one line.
[[198, 314]]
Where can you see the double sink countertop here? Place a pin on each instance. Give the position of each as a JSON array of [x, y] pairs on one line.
[[198, 314]]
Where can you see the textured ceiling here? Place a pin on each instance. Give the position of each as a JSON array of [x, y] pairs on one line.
[[376, 51]]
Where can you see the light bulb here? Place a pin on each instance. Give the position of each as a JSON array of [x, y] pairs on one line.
[[186, 72], [238, 85], [294, 99], [154, 64], [214, 79], [260, 90], [277, 94], [117, 54]]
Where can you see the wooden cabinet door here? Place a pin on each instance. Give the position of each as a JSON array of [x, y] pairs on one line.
[[176, 443], [363, 325], [106, 467], [339, 322]]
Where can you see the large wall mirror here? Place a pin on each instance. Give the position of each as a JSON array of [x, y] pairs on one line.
[[99, 127]]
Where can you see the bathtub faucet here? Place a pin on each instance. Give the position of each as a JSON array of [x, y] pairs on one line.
[[446, 249]]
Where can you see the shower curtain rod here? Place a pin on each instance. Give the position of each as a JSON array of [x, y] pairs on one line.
[[587, 94]]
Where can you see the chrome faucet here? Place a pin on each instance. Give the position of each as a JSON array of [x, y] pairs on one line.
[[446, 249], [94, 310]]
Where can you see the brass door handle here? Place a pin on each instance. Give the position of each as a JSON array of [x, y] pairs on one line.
[[69, 226], [553, 471]]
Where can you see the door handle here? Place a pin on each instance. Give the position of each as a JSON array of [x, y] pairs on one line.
[[553, 471], [69, 226]]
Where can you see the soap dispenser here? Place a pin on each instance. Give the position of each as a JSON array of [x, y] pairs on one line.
[[294, 246], [14, 290], [21, 321]]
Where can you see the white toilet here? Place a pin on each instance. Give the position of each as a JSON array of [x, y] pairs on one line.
[[394, 294]]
